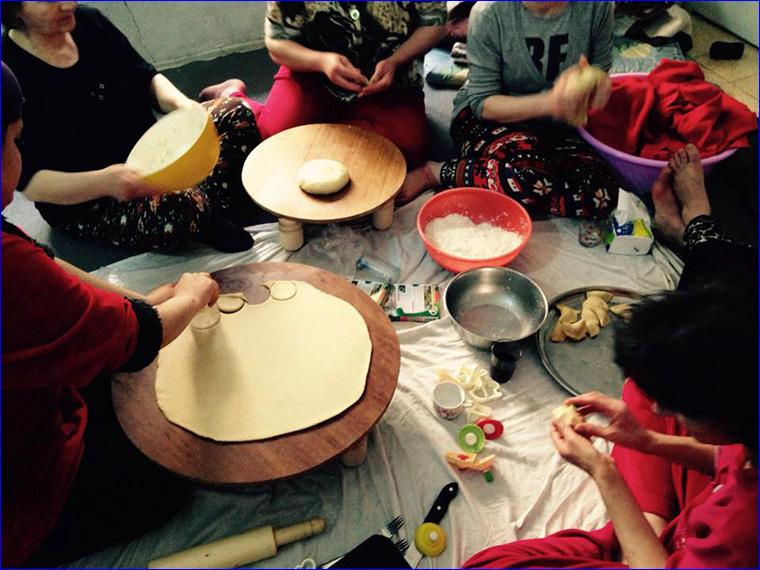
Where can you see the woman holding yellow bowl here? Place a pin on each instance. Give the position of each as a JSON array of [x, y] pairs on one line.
[[89, 98]]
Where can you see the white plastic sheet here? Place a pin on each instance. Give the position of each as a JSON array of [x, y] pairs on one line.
[[534, 493]]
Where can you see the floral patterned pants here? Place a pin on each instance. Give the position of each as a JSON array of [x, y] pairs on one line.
[[548, 168], [171, 219]]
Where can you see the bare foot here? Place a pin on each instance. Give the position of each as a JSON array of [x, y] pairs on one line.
[[667, 212], [417, 181], [689, 183], [223, 89]]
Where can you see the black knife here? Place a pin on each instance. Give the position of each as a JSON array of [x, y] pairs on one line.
[[435, 515], [441, 505]]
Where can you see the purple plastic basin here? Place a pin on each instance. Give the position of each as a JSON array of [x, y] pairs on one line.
[[640, 173]]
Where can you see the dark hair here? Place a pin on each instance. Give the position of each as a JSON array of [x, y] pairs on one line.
[[695, 352], [12, 99], [10, 12]]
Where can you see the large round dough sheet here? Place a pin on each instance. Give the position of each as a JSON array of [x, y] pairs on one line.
[[285, 365]]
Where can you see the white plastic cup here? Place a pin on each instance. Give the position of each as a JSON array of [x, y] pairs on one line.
[[449, 400]]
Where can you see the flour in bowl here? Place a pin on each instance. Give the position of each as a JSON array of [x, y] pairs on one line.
[[459, 236]]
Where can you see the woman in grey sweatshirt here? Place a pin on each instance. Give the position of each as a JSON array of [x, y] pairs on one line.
[[510, 120]]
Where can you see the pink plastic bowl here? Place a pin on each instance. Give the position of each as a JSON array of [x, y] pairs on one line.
[[480, 206], [640, 173]]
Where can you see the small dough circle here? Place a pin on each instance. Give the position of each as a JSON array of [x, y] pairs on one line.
[[283, 290], [230, 303], [322, 176]]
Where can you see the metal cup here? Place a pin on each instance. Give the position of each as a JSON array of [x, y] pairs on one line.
[[504, 357]]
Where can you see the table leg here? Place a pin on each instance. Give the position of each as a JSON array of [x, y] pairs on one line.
[[382, 218], [356, 454], [291, 234]]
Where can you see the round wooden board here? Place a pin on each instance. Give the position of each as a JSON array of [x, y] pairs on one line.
[[200, 459], [375, 165]]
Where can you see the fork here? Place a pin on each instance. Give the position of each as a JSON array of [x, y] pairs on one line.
[[402, 546], [390, 531], [393, 526]]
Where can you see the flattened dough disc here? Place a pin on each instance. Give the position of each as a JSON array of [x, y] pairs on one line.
[[267, 370]]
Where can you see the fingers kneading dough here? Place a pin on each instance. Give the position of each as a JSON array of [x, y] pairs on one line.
[[582, 85], [567, 415], [322, 176]]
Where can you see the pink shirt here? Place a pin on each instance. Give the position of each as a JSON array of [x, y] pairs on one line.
[[718, 529]]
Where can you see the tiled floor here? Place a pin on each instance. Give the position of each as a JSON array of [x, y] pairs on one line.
[[737, 78]]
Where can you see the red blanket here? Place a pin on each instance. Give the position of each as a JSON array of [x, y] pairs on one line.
[[652, 116]]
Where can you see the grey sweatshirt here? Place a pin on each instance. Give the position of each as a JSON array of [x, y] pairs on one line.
[[512, 52]]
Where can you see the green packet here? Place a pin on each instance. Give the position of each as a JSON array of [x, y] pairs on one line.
[[404, 301]]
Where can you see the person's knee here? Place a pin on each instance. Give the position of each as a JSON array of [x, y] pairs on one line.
[[296, 99]]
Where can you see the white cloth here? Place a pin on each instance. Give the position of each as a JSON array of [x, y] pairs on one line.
[[534, 492]]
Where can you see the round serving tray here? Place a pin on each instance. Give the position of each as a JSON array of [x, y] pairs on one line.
[[586, 365]]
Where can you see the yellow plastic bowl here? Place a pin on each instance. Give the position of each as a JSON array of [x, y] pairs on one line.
[[178, 152]]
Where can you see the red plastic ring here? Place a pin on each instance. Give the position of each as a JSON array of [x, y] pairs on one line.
[[491, 428]]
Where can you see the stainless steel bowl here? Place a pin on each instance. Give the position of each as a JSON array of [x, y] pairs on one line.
[[494, 303]]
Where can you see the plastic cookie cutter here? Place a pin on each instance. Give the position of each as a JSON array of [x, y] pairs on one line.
[[430, 539], [307, 563], [471, 438], [470, 461], [492, 429], [478, 412]]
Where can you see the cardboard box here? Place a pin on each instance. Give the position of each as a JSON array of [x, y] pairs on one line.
[[630, 238]]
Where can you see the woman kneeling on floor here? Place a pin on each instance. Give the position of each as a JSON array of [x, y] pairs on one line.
[[72, 481], [356, 63], [89, 97], [510, 118], [681, 485]]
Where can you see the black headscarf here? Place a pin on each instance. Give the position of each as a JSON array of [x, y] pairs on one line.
[[12, 99]]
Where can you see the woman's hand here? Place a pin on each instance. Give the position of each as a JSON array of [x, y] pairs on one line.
[[340, 71], [623, 428], [574, 93], [566, 104], [601, 94], [199, 287], [576, 449], [160, 294], [382, 79], [124, 182]]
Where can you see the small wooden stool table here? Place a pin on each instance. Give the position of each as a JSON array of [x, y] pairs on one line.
[[376, 167], [207, 461]]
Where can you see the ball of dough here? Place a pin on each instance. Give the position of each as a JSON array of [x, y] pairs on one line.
[[567, 415], [322, 176]]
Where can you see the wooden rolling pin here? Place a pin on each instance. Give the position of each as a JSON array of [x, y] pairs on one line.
[[234, 551]]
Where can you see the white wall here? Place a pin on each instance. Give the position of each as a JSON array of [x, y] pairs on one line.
[[741, 18], [169, 34]]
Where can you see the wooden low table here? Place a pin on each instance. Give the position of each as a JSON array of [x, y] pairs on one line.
[[207, 461], [376, 167]]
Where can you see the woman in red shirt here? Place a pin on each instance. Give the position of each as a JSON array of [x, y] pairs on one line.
[[72, 482], [681, 485]]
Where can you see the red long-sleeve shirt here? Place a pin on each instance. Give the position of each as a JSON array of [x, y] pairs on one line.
[[58, 334]]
